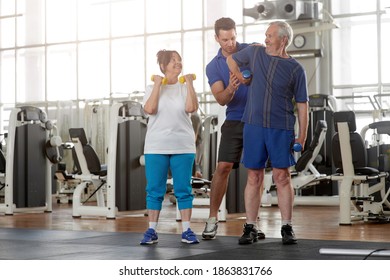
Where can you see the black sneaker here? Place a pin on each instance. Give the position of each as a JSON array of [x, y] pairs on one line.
[[288, 236], [249, 236], [260, 234]]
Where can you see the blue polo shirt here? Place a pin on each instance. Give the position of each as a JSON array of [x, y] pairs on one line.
[[276, 82], [217, 70]]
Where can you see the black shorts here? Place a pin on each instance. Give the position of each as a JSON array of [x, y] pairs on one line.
[[231, 143]]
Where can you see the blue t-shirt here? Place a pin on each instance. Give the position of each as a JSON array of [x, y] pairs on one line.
[[276, 82], [217, 70]]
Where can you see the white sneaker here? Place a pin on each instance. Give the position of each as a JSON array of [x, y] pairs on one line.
[[210, 230]]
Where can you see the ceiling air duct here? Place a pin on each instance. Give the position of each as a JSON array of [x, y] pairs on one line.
[[285, 10]]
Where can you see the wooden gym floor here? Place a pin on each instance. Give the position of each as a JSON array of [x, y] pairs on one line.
[[310, 222]]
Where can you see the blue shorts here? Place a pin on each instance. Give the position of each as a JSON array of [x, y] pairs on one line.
[[268, 144]]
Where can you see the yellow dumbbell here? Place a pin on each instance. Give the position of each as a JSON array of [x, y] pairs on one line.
[[164, 80], [182, 80]]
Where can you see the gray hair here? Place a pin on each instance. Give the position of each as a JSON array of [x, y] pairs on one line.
[[285, 30]]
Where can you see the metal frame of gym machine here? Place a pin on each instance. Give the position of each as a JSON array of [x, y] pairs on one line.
[[103, 208]]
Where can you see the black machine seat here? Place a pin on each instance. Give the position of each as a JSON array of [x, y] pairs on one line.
[[93, 162], [358, 148], [378, 152], [2, 162], [382, 127], [2, 169], [308, 153]]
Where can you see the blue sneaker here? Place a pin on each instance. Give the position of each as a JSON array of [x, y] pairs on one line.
[[189, 237], [150, 237]]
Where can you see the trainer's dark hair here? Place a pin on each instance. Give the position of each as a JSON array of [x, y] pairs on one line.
[[224, 23], [164, 57]]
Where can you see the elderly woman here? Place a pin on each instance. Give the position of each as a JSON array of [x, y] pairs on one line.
[[169, 143]]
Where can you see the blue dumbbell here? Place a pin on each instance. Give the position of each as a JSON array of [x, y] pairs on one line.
[[246, 74], [297, 147]]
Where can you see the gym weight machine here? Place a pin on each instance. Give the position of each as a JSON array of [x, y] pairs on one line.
[[32, 149], [115, 190]]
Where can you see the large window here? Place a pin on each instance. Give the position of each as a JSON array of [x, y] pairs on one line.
[[127, 18], [385, 43], [87, 49], [359, 51], [7, 77], [61, 21], [354, 52], [30, 22], [61, 69], [94, 70], [30, 74], [127, 65]]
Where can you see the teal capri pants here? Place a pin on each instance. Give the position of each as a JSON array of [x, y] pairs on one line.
[[157, 167]]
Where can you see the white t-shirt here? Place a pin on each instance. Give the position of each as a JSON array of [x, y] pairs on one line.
[[170, 131]]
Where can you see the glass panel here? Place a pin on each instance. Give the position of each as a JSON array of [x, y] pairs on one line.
[[31, 23], [358, 99], [193, 57], [352, 6], [255, 33], [361, 122], [128, 65], [93, 67], [234, 10], [127, 18], [7, 85], [30, 75], [61, 20], [7, 32], [211, 49], [93, 19], [192, 14], [385, 5], [156, 43], [212, 46], [385, 38], [162, 16], [384, 100], [61, 72], [7, 7], [223, 8], [354, 62]]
